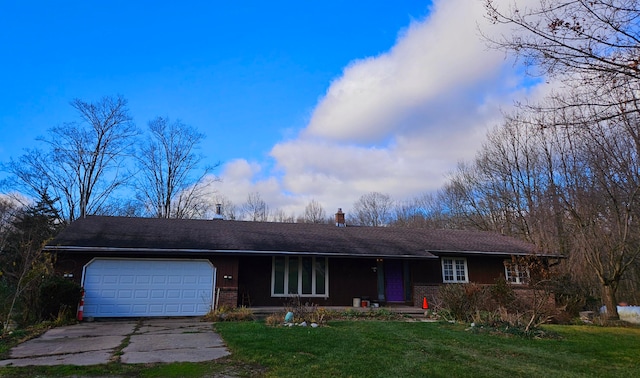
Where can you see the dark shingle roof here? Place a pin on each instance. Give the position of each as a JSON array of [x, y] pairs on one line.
[[220, 236]]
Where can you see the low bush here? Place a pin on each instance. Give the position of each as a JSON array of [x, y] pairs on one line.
[[463, 301], [311, 313], [229, 314], [301, 310], [275, 319], [59, 298], [508, 329], [370, 314], [572, 296], [496, 306]]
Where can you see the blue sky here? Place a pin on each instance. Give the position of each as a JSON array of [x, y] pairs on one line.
[[299, 100]]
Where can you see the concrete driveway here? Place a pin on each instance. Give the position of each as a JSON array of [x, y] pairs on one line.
[[130, 341]]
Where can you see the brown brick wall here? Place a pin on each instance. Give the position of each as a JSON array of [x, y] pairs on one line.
[[227, 296], [421, 291]]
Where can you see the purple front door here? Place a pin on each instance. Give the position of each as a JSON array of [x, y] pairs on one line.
[[393, 281]]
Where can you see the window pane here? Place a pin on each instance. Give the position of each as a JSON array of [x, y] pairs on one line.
[[293, 275], [523, 275], [448, 269], [320, 275], [278, 275], [307, 267], [516, 274], [511, 276], [460, 276]]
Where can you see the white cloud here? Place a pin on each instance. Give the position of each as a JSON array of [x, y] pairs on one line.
[[396, 123], [239, 178], [432, 64]]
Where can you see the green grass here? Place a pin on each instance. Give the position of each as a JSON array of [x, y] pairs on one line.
[[402, 349]]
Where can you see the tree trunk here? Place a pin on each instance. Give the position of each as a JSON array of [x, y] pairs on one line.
[[609, 297]]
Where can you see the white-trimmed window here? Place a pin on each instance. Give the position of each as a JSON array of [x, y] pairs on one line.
[[299, 275], [454, 270], [515, 274]]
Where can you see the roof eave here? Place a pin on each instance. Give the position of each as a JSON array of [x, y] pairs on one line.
[[493, 253], [188, 251]]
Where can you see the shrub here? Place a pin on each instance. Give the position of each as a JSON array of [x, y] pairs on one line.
[[5, 299], [301, 311], [59, 298], [370, 314], [502, 293], [228, 313], [497, 307], [464, 301], [569, 294], [274, 319]]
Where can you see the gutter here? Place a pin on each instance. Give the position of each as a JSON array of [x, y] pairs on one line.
[[493, 253], [77, 249]]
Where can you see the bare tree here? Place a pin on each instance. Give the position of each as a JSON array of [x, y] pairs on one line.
[[167, 161], [280, 216], [567, 180], [463, 196], [423, 211], [314, 213], [192, 202], [84, 162], [373, 209], [592, 47], [593, 38], [602, 196], [255, 209]]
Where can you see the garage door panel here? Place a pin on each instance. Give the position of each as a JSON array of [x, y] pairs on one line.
[[156, 309], [142, 280], [126, 280], [189, 280], [159, 279], [109, 280], [136, 287], [92, 280], [189, 294]]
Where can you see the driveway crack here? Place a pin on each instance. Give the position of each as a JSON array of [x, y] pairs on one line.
[[119, 351]]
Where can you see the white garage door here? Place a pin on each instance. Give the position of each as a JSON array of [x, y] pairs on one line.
[[148, 287]]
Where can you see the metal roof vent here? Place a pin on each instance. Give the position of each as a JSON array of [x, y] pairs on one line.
[[218, 214]]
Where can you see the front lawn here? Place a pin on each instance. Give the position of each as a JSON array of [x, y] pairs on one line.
[[393, 349], [401, 349]]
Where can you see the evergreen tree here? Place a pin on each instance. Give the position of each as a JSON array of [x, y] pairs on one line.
[[23, 263]]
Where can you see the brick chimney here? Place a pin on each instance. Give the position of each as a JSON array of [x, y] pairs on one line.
[[340, 219]]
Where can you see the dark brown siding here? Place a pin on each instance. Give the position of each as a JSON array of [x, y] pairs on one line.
[[71, 263], [255, 282], [482, 269], [351, 278], [348, 278], [426, 271], [485, 270], [225, 265]]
